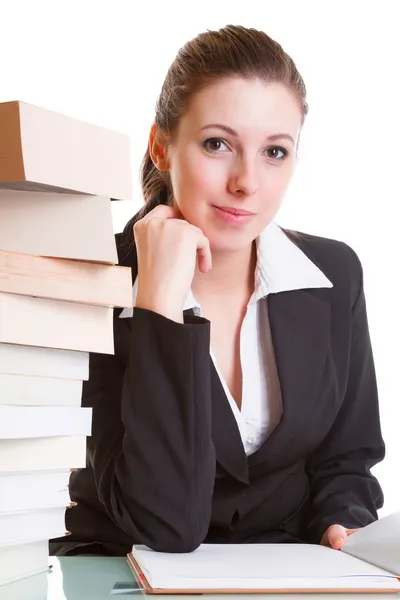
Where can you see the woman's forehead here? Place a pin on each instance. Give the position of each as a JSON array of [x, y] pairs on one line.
[[248, 106]]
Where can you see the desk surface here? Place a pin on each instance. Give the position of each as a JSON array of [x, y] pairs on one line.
[[98, 578]]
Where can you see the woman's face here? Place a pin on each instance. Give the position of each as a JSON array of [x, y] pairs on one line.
[[232, 159]]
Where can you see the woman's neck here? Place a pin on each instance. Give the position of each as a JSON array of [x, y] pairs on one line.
[[231, 276]]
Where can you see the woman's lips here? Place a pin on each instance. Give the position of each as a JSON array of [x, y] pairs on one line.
[[233, 216]]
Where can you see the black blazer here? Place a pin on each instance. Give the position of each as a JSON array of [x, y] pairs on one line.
[[165, 464]]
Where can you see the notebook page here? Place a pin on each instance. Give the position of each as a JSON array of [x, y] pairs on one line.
[[257, 565], [378, 543]]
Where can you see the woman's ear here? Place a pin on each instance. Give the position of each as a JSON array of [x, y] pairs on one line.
[[158, 148]]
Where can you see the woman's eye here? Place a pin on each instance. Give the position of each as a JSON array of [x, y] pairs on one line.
[[215, 145], [276, 150]]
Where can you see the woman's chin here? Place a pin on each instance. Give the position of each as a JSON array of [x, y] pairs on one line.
[[229, 243]]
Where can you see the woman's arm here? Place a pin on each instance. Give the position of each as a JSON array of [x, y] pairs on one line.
[[343, 490], [151, 448]]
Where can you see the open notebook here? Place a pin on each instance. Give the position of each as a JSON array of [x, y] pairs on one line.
[[368, 562]]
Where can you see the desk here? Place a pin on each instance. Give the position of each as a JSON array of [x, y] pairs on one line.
[[93, 578]]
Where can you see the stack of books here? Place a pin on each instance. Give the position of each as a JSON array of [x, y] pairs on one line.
[[59, 284]]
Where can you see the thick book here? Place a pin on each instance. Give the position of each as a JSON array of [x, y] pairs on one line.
[[41, 454], [23, 390], [58, 225], [46, 489], [45, 150], [30, 321], [62, 279], [22, 422], [17, 359], [21, 526], [19, 561], [369, 562]]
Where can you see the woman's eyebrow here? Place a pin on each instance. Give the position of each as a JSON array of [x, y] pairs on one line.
[[231, 131]]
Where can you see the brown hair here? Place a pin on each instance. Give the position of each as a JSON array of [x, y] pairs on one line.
[[233, 51]]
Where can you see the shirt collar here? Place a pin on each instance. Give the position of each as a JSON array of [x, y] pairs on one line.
[[281, 267]]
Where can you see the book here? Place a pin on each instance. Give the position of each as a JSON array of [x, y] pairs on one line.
[[22, 422], [21, 526], [63, 279], [18, 359], [24, 390], [18, 561], [41, 454], [46, 489], [30, 321], [43, 150], [57, 225], [368, 562]]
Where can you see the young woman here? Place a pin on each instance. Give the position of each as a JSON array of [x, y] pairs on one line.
[[241, 403]]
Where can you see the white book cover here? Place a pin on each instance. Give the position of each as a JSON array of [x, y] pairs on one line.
[[19, 359], [40, 489], [369, 560], [40, 454], [257, 566], [18, 561], [378, 543], [17, 527], [17, 422], [39, 391], [56, 324], [57, 225]]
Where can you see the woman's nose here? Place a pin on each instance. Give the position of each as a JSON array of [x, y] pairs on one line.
[[244, 180]]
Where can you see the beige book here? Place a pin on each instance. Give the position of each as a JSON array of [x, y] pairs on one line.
[[62, 279], [42, 149], [58, 225], [55, 324], [42, 454]]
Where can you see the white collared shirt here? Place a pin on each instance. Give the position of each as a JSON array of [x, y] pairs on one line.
[[281, 267]]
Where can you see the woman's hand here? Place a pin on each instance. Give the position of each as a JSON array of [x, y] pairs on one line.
[[335, 536], [167, 249]]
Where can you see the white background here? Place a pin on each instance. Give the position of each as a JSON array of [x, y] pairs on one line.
[[104, 62]]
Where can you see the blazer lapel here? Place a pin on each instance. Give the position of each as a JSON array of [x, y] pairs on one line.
[[225, 433], [228, 444], [300, 330]]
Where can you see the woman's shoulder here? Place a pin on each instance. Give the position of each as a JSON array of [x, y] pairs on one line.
[[336, 259]]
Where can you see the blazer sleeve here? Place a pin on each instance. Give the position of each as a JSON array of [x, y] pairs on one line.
[[343, 490], [151, 449]]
